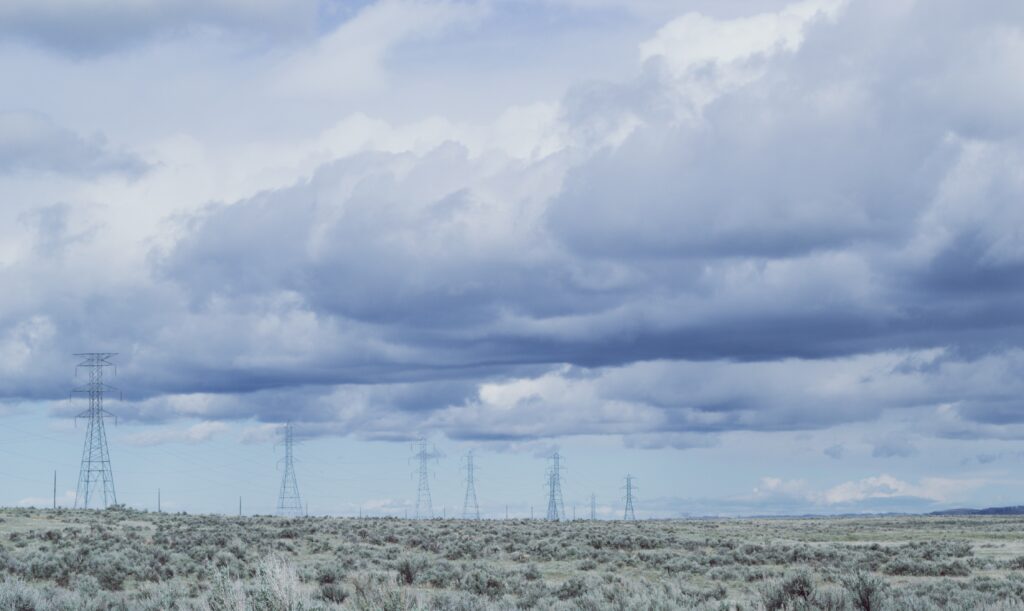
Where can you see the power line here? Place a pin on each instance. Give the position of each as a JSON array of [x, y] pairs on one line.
[[556, 509], [95, 474], [470, 507], [289, 502]]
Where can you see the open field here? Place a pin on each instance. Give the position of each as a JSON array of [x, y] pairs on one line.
[[131, 560]]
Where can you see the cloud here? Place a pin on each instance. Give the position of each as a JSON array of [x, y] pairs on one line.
[[940, 490], [92, 27], [350, 58], [811, 228], [30, 142], [835, 451], [870, 493], [197, 433], [66, 499], [893, 445]]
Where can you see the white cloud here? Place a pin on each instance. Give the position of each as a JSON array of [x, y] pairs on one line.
[[862, 493], [197, 433], [940, 490], [350, 60], [65, 499], [709, 56]]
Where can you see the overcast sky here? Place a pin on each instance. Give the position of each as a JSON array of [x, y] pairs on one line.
[[766, 256]]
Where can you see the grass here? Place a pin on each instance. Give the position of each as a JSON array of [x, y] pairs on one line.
[[120, 559]]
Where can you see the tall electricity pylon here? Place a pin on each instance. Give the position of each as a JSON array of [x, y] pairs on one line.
[[593, 507], [95, 472], [556, 509], [629, 514], [424, 506], [470, 508], [289, 502]]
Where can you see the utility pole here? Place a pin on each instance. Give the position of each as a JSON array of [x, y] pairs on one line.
[[470, 507], [556, 509], [506, 511], [239, 506], [424, 506], [289, 502], [95, 474], [158, 508], [593, 507], [629, 514]]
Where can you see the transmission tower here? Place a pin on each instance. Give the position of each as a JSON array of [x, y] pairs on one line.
[[556, 509], [628, 514], [424, 506], [289, 502], [593, 507], [470, 508], [95, 473]]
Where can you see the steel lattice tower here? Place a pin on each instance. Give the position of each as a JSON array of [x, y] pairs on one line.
[[95, 472], [289, 502], [629, 514], [470, 507], [424, 506], [556, 509], [593, 507]]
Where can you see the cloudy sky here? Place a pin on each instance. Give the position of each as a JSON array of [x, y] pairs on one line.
[[767, 256]]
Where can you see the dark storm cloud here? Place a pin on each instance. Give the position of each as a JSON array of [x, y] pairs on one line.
[[846, 202], [780, 226], [31, 142]]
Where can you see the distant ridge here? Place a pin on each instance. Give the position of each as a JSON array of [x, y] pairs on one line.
[[1016, 510]]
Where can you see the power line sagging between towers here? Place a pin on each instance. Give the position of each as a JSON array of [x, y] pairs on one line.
[[95, 474]]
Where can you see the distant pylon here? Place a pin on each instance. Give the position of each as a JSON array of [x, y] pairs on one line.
[[470, 507], [95, 473], [289, 502], [593, 507], [629, 514], [424, 506], [556, 509]]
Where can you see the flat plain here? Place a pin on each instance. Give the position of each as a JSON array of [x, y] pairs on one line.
[[124, 559]]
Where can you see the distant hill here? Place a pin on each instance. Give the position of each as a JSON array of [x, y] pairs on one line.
[[1016, 510]]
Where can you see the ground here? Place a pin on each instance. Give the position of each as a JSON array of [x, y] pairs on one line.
[[124, 559]]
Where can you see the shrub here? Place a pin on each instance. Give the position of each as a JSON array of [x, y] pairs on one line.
[[333, 592], [277, 587], [375, 592], [225, 594], [794, 590], [409, 567], [866, 591]]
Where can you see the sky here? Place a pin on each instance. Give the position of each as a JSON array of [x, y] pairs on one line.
[[765, 256]]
